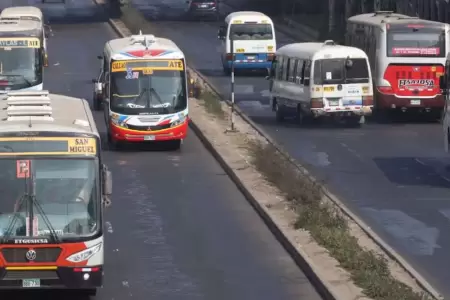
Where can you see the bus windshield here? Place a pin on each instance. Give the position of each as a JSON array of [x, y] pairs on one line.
[[61, 195], [148, 90], [251, 32], [417, 41], [20, 67], [341, 70]]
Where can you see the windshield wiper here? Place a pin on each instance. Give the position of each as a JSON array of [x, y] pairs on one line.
[[29, 84], [158, 98], [34, 202]]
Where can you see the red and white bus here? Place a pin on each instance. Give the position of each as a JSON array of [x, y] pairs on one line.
[[407, 57]]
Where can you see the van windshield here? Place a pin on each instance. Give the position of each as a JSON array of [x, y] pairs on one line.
[[251, 32], [339, 71]]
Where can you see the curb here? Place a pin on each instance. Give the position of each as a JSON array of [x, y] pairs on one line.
[[301, 261]]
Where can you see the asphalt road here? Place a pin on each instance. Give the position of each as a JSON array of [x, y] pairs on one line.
[[178, 227], [393, 175]]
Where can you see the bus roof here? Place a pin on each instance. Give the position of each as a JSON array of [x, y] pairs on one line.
[[15, 26], [380, 18], [320, 51], [142, 46], [249, 16], [40, 111], [22, 11]]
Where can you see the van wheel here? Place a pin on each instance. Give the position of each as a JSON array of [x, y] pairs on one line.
[[279, 115], [302, 117]]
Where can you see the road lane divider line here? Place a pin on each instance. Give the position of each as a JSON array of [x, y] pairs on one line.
[[324, 288]]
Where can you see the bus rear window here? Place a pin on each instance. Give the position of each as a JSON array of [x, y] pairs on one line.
[[251, 32], [416, 42]]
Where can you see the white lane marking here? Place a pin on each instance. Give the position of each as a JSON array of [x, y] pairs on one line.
[[414, 235]]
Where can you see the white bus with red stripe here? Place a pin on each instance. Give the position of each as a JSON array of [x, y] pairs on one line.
[[407, 56], [143, 88]]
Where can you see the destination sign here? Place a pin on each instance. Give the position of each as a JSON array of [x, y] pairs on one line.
[[47, 146], [20, 42], [146, 65]]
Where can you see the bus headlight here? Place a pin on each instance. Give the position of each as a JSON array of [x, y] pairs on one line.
[[85, 254], [181, 120], [119, 123]]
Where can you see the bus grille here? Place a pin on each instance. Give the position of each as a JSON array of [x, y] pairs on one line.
[[43, 255], [147, 127], [35, 274]]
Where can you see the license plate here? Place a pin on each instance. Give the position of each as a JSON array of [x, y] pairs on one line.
[[251, 57], [149, 138], [203, 6], [334, 102], [415, 102], [31, 283]]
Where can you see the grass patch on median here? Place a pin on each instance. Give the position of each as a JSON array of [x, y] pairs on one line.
[[212, 104], [329, 228]]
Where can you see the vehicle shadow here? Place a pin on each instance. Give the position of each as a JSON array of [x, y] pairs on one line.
[[415, 171], [43, 295]]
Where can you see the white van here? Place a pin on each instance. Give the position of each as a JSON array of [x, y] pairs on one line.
[[253, 34], [312, 80], [31, 13]]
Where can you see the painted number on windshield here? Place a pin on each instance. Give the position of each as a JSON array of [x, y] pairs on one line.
[[23, 169]]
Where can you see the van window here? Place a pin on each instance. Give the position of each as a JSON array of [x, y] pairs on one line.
[[292, 66], [251, 31], [298, 73], [280, 67], [334, 71]]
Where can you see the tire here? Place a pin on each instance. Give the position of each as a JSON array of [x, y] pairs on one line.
[[227, 71], [113, 144], [97, 103], [279, 115], [353, 121], [174, 145], [89, 292]]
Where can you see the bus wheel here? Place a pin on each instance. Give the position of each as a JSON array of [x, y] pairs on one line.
[[279, 115], [174, 145], [354, 121], [89, 292]]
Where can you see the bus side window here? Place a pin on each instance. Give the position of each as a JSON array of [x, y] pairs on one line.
[[317, 73], [292, 65], [285, 74], [298, 73], [279, 71], [306, 72]]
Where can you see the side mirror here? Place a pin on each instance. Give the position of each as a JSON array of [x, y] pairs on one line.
[[99, 57], [94, 80], [107, 182], [268, 77]]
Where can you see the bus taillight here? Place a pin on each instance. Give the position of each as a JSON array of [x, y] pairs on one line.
[[385, 90], [367, 100], [316, 103]]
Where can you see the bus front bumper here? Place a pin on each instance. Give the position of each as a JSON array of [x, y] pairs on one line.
[[59, 278], [124, 134]]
